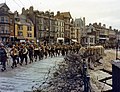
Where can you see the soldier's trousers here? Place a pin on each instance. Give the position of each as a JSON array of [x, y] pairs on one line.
[[3, 62]]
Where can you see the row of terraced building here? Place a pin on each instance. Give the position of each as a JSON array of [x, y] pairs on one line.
[[38, 26]]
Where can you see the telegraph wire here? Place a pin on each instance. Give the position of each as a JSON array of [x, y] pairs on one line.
[[21, 2], [17, 3], [30, 2], [5, 1]]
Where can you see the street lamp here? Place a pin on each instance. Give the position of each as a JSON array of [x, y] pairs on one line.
[[36, 28], [48, 36]]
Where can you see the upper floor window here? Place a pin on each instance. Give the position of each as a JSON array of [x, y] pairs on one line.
[[6, 19], [40, 21], [5, 31], [20, 33], [20, 27], [11, 21], [91, 40], [29, 35], [77, 24], [40, 27], [2, 19], [2, 30], [57, 35], [29, 28], [86, 40]]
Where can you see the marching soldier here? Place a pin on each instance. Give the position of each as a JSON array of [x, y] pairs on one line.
[[14, 54], [63, 51], [21, 54], [3, 57], [59, 50], [49, 50], [36, 51], [30, 53], [45, 51], [25, 52]]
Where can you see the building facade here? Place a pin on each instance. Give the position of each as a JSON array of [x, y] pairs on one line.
[[91, 32], [112, 38], [66, 16], [59, 30], [44, 24], [6, 23], [78, 26], [80, 23], [102, 34], [24, 28]]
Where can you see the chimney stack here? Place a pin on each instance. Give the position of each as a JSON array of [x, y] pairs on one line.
[[100, 24]]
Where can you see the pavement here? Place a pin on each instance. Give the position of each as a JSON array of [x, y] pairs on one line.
[[25, 78]]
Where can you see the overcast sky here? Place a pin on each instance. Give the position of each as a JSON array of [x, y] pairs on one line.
[[104, 11]]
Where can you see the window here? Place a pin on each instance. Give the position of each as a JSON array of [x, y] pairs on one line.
[[40, 21], [62, 24], [77, 24], [57, 29], [2, 19], [40, 27], [11, 21], [86, 40], [92, 29], [57, 23], [20, 27], [29, 28], [20, 33], [62, 29], [29, 35], [57, 35], [7, 31], [2, 30], [6, 19], [91, 40]]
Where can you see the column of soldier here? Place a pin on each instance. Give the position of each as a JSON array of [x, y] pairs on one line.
[[23, 53]]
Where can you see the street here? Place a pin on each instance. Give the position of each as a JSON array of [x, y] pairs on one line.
[[23, 78], [26, 77]]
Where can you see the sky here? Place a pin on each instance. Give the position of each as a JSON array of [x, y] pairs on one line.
[[104, 11]]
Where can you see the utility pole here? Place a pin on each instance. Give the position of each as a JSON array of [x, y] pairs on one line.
[[49, 28], [14, 32], [36, 31], [14, 29]]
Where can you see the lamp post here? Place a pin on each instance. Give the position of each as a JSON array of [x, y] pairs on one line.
[[36, 29], [48, 36]]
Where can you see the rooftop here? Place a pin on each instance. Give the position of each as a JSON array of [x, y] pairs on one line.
[[3, 4]]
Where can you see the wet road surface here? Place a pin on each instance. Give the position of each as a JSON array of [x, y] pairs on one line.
[[23, 78]]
